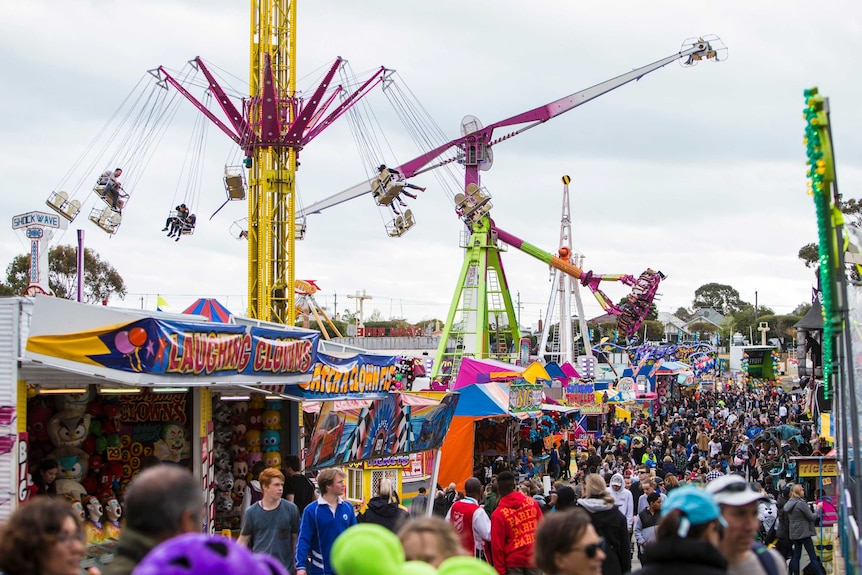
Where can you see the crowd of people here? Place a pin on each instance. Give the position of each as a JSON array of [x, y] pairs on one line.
[[684, 492]]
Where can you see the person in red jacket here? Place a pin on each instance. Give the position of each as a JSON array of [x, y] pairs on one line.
[[513, 529]]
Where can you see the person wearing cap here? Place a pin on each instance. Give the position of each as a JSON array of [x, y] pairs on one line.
[[739, 501], [687, 537], [622, 498], [610, 524]]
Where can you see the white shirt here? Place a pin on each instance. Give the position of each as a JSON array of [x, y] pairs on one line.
[[481, 524]]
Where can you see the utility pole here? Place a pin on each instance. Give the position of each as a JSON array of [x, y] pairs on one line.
[[519, 309], [335, 306], [361, 299]]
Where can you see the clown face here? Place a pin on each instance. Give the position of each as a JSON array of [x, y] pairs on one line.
[[113, 510], [94, 509], [174, 436]]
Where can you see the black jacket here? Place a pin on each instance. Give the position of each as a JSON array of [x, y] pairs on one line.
[[676, 556], [610, 523], [385, 513]]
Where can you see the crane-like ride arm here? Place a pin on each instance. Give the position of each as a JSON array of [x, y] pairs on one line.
[[699, 50]]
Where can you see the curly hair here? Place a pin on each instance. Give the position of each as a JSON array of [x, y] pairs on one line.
[[31, 530]]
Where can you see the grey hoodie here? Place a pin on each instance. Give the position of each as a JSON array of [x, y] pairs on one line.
[[623, 498]]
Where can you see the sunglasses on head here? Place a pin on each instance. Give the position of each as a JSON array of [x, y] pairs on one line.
[[592, 549], [739, 488]]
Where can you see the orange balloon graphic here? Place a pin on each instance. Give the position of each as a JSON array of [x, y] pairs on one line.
[[137, 336]]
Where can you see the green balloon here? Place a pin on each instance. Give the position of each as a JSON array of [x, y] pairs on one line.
[[367, 549], [463, 565], [418, 568]]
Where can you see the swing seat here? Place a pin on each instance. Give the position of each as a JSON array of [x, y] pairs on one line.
[[399, 226], [60, 203], [108, 199], [384, 189], [478, 203], [106, 218], [299, 228], [234, 183]]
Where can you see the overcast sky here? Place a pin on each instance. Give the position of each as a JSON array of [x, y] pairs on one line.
[[698, 172]]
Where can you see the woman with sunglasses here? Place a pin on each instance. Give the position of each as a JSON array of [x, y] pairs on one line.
[[687, 538], [567, 544], [43, 537]]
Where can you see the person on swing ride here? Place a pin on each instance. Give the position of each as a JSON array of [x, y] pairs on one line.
[[173, 221], [187, 223], [113, 188], [396, 177]]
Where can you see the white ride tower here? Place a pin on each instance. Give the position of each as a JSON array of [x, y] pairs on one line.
[[558, 344]]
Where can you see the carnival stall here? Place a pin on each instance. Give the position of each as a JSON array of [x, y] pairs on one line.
[[379, 439], [495, 396]]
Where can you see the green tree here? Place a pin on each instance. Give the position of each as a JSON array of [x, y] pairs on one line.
[[101, 279], [746, 320], [375, 316], [720, 297], [801, 309], [809, 254], [683, 313]]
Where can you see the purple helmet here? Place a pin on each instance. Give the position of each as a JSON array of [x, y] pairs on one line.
[[199, 554]]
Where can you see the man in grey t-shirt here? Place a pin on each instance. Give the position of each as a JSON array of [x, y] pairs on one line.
[[272, 524]]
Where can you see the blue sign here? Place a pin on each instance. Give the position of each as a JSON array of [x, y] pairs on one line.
[[34, 233]]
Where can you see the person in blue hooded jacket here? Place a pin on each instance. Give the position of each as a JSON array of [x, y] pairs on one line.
[[323, 520]]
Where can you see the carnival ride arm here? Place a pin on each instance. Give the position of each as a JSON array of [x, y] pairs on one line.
[[699, 50]]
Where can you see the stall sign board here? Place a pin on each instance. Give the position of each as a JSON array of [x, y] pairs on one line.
[[817, 468]]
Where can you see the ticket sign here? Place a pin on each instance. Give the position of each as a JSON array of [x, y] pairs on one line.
[[813, 468]]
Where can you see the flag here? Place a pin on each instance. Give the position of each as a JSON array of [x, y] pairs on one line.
[[160, 303]]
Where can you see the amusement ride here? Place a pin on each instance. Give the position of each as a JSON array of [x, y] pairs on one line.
[[276, 121]]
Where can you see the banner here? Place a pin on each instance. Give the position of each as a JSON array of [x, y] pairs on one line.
[[525, 397], [337, 377], [182, 348], [394, 425]]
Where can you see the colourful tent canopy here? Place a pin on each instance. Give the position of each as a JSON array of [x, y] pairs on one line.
[[570, 371], [484, 400], [554, 370], [484, 370], [210, 308]]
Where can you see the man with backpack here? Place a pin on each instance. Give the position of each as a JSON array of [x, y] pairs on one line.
[[739, 501], [297, 487]]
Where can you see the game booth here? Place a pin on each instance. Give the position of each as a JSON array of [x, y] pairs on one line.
[[106, 392], [393, 438], [495, 398]]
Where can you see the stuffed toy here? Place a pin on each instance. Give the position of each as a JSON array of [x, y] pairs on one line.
[[73, 403], [238, 409], [254, 457], [68, 429], [221, 413], [222, 457], [222, 434], [272, 459], [271, 419], [270, 440], [252, 438], [73, 465], [38, 415], [224, 481], [240, 469]]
